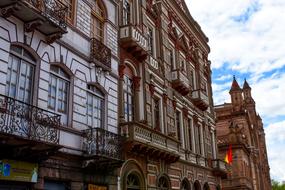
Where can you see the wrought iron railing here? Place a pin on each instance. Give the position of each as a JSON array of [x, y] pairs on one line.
[[27, 121], [99, 142], [54, 10], [100, 52]]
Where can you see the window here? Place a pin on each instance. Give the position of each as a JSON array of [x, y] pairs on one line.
[[178, 125], [204, 86], [58, 92], [97, 21], [126, 12], [190, 134], [198, 139], [128, 98], [150, 40], [156, 113], [20, 74], [70, 9], [182, 63], [163, 183], [133, 182], [185, 185], [171, 55], [191, 78], [95, 107]]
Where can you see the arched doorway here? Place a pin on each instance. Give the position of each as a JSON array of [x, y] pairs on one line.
[[185, 185], [206, 186], [197, 185], [133, 182], [163, 183], [218, 187], [132, 176]]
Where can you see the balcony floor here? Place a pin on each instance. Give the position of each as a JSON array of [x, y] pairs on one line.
[[14, 147]]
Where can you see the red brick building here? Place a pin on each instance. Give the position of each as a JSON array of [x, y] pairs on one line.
[[165, 99], [239, 125]]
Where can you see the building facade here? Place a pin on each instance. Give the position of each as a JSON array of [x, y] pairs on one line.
[[105, 94], [165, 99], [59, 87], [239, 125]]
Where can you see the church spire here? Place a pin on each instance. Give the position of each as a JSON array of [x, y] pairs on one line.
[[235, 85], [245, 85], [236, 95]]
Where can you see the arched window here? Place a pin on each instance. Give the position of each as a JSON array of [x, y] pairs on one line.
[[185, 185], [197, 185], [163, 183], [58, 92], [126, 12], [97, 21], [95, 107], [128, 88], [20, 74], [133, 182], [206, 186]]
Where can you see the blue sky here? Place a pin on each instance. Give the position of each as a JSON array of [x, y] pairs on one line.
[[247, 40]]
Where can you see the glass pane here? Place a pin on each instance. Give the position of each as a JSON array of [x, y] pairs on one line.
[[16, 49]]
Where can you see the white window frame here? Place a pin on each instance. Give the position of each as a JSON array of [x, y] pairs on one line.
[[94, 92], [22, 60], [152, 27], [59, 77]]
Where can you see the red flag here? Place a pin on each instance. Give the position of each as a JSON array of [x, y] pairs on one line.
[[229, 155]]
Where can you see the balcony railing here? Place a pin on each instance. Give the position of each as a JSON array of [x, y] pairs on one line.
[[180, 82], [151, 140], [200, 99], [48, 16], [99, 52], [102, 143], [134, 42], [27, 121], [219, 167]]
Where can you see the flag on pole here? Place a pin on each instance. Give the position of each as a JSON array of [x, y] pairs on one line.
[[229, 155]]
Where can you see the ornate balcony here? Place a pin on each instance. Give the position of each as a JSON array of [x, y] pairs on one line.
[[200, 99], [102, 149], [134, 42], [99, 53], [27, 131], [219, 168], [180, 82], [144, 140], [47, 16]]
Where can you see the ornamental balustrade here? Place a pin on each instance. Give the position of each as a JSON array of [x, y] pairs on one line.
[[99, 52], [100, 142], [26, 121], [53, 10], [47, 16]]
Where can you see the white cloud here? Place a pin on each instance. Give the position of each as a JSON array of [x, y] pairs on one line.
[[254, 47], [275, 137], [269, 96]]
